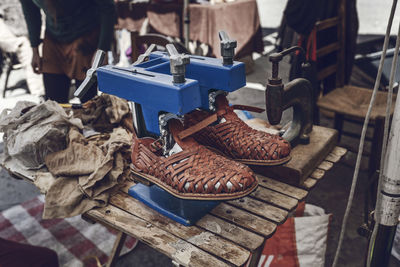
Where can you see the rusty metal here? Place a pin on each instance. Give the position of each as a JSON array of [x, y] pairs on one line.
[[296, 94]]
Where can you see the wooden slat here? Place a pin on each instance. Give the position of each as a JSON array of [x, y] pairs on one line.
[[325, 165], [282, 188], [309, 183], [327, 23], [203, 239], [175, 248], [332, 158], [328, 49], [318, 174], [275, 198], [232, 232], [244, 219], [326, 72], [260, 208], [340, 151]]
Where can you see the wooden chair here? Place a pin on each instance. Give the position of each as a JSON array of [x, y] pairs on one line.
[[346, 102]]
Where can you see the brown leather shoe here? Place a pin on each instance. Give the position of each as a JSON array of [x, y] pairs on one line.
[[235, 139], [193, 173]]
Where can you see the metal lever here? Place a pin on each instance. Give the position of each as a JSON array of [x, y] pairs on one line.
[[177, 64], [227, 48], [146, 54], [91, 74]]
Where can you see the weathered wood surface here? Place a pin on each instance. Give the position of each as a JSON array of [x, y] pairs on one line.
[[175, 248], [244, 219], [272, 213], [275, 198], [325, 165], [317, 174], [283, 188], [205, 240], [230, 231], [305, 158], [309, 183]]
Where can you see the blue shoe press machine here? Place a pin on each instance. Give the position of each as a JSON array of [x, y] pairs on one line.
[[167, 86]]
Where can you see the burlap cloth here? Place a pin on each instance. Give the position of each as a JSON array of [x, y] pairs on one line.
[[85, 173]]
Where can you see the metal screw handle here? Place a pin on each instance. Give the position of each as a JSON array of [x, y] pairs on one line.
[[146, 54], [227, 48], [178, 64], [91, 74]]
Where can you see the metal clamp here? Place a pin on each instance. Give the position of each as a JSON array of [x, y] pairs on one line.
[[227, 48], [211, 98], [165, 137], [177, 64], [91, 76]]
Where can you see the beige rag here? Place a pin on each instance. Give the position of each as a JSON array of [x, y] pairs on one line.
[[86, 173]]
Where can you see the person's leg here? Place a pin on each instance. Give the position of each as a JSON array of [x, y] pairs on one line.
[[16, 254], [92, 92], [56, 87]]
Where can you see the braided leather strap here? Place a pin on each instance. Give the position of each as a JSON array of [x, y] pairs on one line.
[[235, 139]]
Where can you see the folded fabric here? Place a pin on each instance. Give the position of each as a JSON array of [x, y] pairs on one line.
[[86, 173], [31, 131]]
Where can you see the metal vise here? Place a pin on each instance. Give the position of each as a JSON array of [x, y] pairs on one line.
[[297, 94], [169, 85]]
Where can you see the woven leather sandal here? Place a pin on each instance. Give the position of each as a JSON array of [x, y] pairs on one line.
[[235, 139], [193, 173]]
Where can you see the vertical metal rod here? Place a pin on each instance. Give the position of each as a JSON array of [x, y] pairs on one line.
[[186, 22]]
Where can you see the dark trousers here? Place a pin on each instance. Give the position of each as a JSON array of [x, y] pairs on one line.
[[57, 88], [14, 254]]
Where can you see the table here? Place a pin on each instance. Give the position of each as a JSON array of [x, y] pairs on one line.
[[231, 234], [205, 22]]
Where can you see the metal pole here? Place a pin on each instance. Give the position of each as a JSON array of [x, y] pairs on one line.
[[186, 22]]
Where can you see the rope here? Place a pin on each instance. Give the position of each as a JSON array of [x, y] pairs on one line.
[[384, 148], [363, 132]]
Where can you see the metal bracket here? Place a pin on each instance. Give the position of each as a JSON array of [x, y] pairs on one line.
[[211, 98], [165, 137], [91, 75]]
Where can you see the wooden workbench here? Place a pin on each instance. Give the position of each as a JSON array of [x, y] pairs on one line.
[[231, 234]]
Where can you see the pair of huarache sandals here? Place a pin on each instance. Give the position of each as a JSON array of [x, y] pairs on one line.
[[214, 148]]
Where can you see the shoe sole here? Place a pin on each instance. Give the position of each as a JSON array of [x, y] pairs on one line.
[[193, 196], [253, 161]]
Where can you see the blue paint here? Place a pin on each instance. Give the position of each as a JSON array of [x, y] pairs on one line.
[[151, 85], [186, 212]]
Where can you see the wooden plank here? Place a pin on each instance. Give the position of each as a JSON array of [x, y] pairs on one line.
[[325, 165], [326, 72], [332, 158], [283, 188], [340, 151], [245, 219], [318, 174], [309, 183], [260, 208], [327, 23], [328, 49], [232, 232], [275, 198], [203, 239], [118, 245], [175, 248]]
